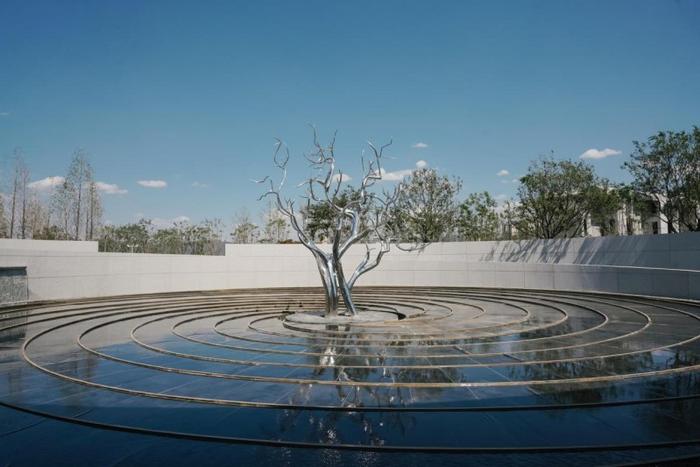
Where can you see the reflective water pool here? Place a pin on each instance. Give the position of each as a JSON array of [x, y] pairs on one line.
[[451, 376]]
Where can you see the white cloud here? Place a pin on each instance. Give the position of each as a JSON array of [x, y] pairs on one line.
[[46, 183], [153, 183], [4, 114], [503, 173], [395, 176], [200, 185], [419, 145], [398, 175], [599, 153], [110, 188], [344, 178], [513, 181]]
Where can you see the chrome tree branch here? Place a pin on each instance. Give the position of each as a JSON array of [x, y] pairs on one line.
[[362, 218]]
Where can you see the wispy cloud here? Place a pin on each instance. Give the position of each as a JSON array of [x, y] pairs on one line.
[[46, 183], [395, 176], [599, 153], [153, 183], [110, 188], [4, 114], [502, 173], [513, 181], [398, 175], [196, 184], [420, 145]]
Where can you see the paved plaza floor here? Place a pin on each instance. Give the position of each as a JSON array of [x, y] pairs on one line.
[[446, 376]]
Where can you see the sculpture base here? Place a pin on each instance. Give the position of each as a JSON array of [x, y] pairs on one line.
[[363, 317]]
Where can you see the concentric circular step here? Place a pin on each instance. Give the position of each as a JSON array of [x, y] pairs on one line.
[[428, 370]]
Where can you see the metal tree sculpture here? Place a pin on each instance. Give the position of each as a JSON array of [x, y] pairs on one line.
[[361, 219]]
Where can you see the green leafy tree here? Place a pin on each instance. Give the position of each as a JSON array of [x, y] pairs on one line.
[[690, 214], [51, 232], [321, 217], [244, 230], [666, 168], [508, 219], [129, 238], [553, 198], [275, 226], [604, 201], [478, 219], [244, 233], [183, 238], [201, 239], [166, 241], [426, 209]]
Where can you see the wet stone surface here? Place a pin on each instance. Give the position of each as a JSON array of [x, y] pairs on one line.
[[449, 376]]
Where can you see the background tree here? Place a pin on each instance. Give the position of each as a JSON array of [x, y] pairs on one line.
[[478, 219], [244, 230], [665, 168], [633, 207], [77, 183], [507, 219], [37, 216], [181, 238], [276, 228], [18, 199], [4, 227], [320, 217], [49, 232], [128, 238], [604, 201], [166, 240], [93, 210], [690, 198], [203, 238], [24, 193], [426, 208], [553, 198], [61, 202]]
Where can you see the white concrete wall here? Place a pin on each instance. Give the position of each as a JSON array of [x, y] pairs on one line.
[[678, 251], [655, 265], [541, 264], [47, 245]]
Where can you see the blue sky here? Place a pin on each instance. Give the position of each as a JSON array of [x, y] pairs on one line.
[[193, 93]]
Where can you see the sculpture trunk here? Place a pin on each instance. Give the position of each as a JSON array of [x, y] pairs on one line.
[[358, 215], [335, 285]]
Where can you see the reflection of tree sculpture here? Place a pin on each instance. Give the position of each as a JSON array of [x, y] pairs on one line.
[[362, 218]]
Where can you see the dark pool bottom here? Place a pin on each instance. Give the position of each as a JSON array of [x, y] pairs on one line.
[[468, 377]]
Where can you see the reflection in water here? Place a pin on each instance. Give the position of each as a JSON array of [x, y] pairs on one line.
[[503, 360], [358, 366], [10, 335]]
